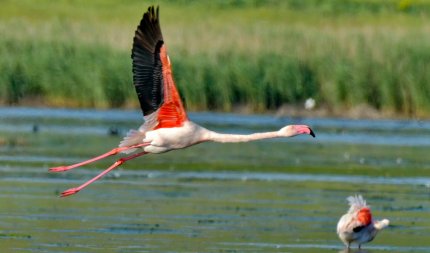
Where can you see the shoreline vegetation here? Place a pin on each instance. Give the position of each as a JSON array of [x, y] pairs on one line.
[[363, 59]]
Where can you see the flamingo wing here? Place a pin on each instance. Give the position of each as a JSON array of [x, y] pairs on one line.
[[152, 74], [364, 216], [358, 229], [362, 220]]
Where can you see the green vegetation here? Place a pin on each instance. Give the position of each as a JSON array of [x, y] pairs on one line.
[[256, 54]]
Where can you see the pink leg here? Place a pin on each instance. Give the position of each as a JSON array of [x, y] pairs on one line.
[[110, 153], [72, 191]]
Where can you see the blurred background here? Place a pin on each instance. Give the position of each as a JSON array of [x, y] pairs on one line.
[[238, 55], [356, 71]]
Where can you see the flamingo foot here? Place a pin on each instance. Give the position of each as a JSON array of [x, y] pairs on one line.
[[70, 191], [109, 153], [75, 190], [59, 169]]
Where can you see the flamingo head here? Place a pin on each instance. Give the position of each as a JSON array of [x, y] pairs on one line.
[[293, 130], [379, 225]]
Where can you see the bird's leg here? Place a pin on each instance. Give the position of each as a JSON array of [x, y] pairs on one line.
[[110, 153], [120, 161]]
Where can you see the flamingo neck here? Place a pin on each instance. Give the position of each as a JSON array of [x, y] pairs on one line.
[[232, 138]]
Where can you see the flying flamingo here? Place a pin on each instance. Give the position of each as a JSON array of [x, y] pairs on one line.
[[166, 126], [357, 225]]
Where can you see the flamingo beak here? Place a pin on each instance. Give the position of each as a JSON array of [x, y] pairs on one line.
[[311, 132], [303, 129]]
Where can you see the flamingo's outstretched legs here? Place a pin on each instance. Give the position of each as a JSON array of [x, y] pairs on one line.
[[109, 153], [72, 191]]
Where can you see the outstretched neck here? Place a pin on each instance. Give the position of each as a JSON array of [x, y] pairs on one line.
[[231, 138], [287, 131]]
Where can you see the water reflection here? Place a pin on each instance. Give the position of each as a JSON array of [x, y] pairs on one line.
[[329, 130], [355, 251], [155, 205]]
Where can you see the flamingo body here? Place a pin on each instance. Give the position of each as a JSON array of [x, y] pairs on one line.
[[166, 125], [357, 225], [165, 139]]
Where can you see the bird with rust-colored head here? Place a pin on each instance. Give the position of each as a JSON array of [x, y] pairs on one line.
[[357, 225]]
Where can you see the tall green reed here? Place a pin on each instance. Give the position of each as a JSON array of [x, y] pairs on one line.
[[253, 56]]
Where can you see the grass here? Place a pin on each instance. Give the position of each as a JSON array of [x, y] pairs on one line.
[[257, 54]]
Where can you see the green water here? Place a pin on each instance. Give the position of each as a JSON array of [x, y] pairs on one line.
[[282, 196], [130, 214]]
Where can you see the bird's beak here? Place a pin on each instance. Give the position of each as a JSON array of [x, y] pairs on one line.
[[302, 129], [311, 132]]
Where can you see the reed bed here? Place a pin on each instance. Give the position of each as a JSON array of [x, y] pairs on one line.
[[255, 54]]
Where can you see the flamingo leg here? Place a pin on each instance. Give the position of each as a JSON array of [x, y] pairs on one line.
[[107, 154], [120, 161]]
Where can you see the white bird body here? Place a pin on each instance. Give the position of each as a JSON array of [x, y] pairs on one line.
[[166, 126], [166, 139], [357, 225]]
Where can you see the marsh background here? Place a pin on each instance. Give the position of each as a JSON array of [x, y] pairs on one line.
[[241, 66]]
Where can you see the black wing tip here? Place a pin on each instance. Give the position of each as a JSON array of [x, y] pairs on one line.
[[153, 13], [147, 68], [148, 32]]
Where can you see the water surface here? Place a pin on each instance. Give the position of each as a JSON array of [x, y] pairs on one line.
[[269, 196]]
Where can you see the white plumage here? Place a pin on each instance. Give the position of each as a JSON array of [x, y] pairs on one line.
[[357, 225]]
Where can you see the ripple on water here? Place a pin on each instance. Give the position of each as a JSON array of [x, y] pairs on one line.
[[124, 176], [329, 130]]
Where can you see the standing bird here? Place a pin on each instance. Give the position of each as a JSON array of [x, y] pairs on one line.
[[166, 126], [357, 225]]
